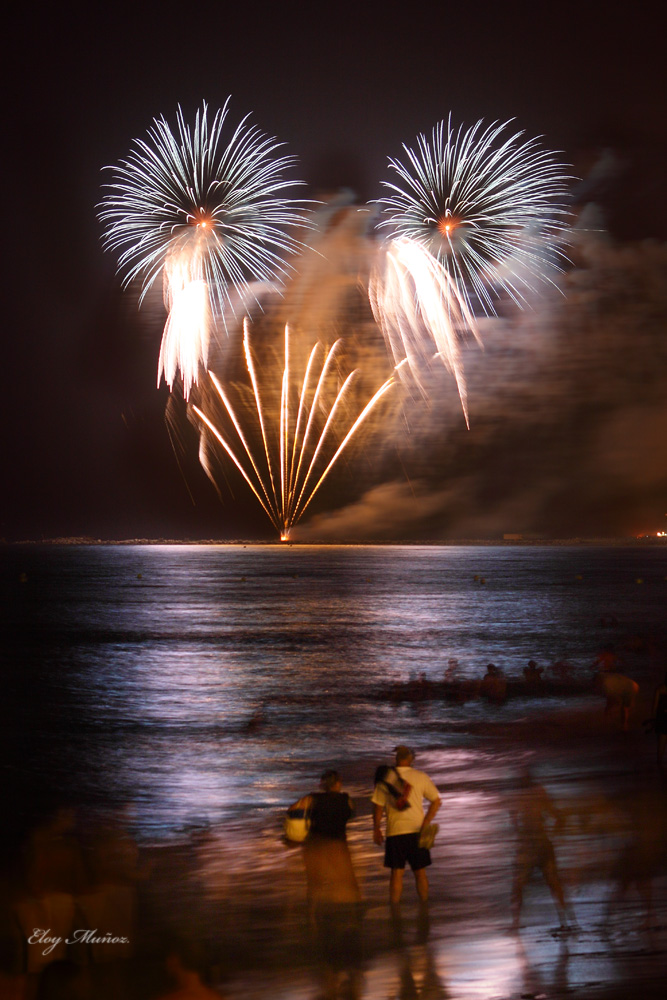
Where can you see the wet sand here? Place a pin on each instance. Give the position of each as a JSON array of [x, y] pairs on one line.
[[242, 892]]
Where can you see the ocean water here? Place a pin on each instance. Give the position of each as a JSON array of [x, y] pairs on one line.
[[132, 673]]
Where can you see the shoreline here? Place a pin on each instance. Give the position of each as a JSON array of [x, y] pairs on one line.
[[85, 541]]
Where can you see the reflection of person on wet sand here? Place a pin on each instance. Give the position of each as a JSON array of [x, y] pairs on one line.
[[333, 892], [529, 811], [419, 975], [536, 978]]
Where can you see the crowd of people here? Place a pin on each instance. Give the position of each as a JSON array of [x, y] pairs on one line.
[[68, 881], [606, 677], [405, 802]]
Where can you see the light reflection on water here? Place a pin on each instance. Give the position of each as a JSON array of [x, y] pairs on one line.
[[132, 673], [155, 657]]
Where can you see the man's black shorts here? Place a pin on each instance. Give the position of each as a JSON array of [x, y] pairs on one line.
[[405, 847]]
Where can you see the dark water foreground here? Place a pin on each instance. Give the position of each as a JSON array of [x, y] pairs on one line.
[[180, 699]]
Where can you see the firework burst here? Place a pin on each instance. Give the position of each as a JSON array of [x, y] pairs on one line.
[[488, 207], [415, 295], [285, 456], [206, 215], [483, 211]]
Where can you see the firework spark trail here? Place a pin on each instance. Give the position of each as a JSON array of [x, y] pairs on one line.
[[239, 430], [310, 431], [294, 472], [299, 452], [218, 436], [416, 294], [476, 213], [205, 215], [250, 365], [357, 423], [185, 341], [293, 506]]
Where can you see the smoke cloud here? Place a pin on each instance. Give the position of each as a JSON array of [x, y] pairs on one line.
[[568, 419], [388, 511], [567, 402]]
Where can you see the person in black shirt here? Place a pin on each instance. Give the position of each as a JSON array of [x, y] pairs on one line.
[[334, 899], [330, 809]]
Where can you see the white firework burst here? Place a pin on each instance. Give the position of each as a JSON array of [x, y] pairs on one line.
[[489, 206], [475, 213], [206, 215]]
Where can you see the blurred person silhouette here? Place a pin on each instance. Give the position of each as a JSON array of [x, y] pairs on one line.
[[643, 856], [114, 869], [660, 719], [620, 693], [334, 899], [562, 671], [494, 685], [607, 660], [451, 674], [54, 877], [12, 979], [530, 809], [186, 966], [110, 901], [406, 823], [64, 980], [532, 675]]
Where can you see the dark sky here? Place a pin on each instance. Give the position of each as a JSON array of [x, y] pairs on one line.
[[85, 450]]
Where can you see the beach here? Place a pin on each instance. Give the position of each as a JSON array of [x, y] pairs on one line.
[[151, 668]]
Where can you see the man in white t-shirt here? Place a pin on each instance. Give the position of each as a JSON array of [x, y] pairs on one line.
[[404, 807]]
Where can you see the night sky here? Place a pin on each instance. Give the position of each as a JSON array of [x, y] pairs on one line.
[[85, 450]]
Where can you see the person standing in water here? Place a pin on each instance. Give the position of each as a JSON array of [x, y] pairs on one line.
[[406, 823], [530, 809], [334, 899]]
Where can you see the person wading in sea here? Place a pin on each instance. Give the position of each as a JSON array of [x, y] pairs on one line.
[[529, 810], [334, 899], [406, 822]]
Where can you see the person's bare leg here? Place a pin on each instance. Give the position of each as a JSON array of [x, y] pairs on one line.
[[522, 870], [645, 890], [395, 885], [517, 900], [553, 881], [421, 881]]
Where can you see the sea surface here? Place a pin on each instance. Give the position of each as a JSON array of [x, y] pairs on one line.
[[205, 682]]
